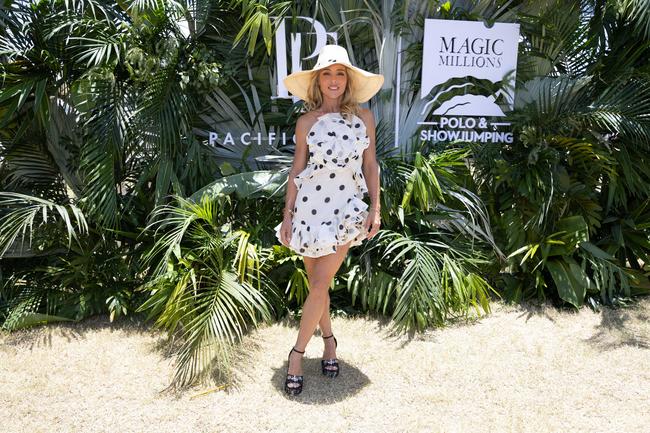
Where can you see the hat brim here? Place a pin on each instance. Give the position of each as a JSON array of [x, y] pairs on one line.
[[366, 85]]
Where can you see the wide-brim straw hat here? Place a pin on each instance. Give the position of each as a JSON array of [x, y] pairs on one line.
[[365, 84]]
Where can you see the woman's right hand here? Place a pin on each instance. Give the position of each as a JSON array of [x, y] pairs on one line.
[[285, 230]]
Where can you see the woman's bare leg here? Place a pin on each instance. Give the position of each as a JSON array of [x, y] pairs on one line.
[[324, 323], [320, 271]]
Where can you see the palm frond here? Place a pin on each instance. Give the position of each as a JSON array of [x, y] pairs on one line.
[[257, 17], [556, 42], [30, 165], [436, 281], [638, 11], [103, 49], [376, 290], [108, 122], [174, 221], [623, 108], [24, 214], [214, 318], [547, 99], [207, 283]]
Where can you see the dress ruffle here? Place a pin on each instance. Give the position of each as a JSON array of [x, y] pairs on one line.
[[338, 231], [336, 148], [343, 150]]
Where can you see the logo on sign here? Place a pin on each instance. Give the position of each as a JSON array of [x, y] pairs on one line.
[[468, 70], [295, 47]]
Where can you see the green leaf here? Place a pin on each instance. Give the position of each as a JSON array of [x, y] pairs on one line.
[[571, 288], [252, 184], [572, 231], [596, 252]]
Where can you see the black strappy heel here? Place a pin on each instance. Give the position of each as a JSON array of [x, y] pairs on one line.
[[292, 378], [325, 363]]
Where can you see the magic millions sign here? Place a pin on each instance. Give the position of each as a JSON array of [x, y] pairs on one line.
[[468, 76]]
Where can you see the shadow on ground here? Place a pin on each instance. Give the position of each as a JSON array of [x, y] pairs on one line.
[[41, 335], [620, 327], [319, 389]]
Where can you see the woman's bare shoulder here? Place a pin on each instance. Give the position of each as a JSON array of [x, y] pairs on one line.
[[306, 120], [367, 116]]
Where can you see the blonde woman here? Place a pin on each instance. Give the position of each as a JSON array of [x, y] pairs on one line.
[[334, 166]]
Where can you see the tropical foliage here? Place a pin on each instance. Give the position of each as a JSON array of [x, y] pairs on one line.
[[116, 197], [207, 282], [569, 197]]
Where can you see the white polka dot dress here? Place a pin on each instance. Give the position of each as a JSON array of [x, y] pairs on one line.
[[329, 210]]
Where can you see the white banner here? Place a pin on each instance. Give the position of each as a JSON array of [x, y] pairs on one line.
[[469, 69]]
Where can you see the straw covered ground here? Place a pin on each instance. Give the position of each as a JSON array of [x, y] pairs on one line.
[[533, 369]]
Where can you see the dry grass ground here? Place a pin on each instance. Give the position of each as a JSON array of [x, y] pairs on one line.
[[519, 369]]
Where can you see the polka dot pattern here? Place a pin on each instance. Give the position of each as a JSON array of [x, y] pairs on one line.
[[330, 210]]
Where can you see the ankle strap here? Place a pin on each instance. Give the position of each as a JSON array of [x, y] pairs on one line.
[[329, 336], [298, 350]]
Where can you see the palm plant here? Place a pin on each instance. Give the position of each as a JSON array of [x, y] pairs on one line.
[[426, 265], [20, 303], [113, 88], [55, 267], [207, 283]]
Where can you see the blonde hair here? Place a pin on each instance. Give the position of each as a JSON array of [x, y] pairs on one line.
[[315, 98]]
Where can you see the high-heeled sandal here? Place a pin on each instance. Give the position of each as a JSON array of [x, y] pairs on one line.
[[293, 378], [328, 364]]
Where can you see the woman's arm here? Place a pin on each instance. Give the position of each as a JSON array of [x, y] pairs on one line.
[[299, 163], [370, 167], [370, 170]]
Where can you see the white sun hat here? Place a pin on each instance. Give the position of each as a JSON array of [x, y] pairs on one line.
[[366, 84]]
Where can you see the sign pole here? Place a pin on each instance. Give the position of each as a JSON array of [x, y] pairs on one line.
[[399, 89]]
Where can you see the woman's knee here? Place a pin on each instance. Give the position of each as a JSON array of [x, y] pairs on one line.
[[320, 290]]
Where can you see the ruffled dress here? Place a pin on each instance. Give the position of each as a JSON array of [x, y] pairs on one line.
[[329, 210]]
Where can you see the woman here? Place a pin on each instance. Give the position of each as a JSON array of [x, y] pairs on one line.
[[334, 165]]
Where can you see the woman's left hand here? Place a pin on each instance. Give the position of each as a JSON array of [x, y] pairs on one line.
[[372, 223]]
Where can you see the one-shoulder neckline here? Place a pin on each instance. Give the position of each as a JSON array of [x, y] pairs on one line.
[[326, 114]]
